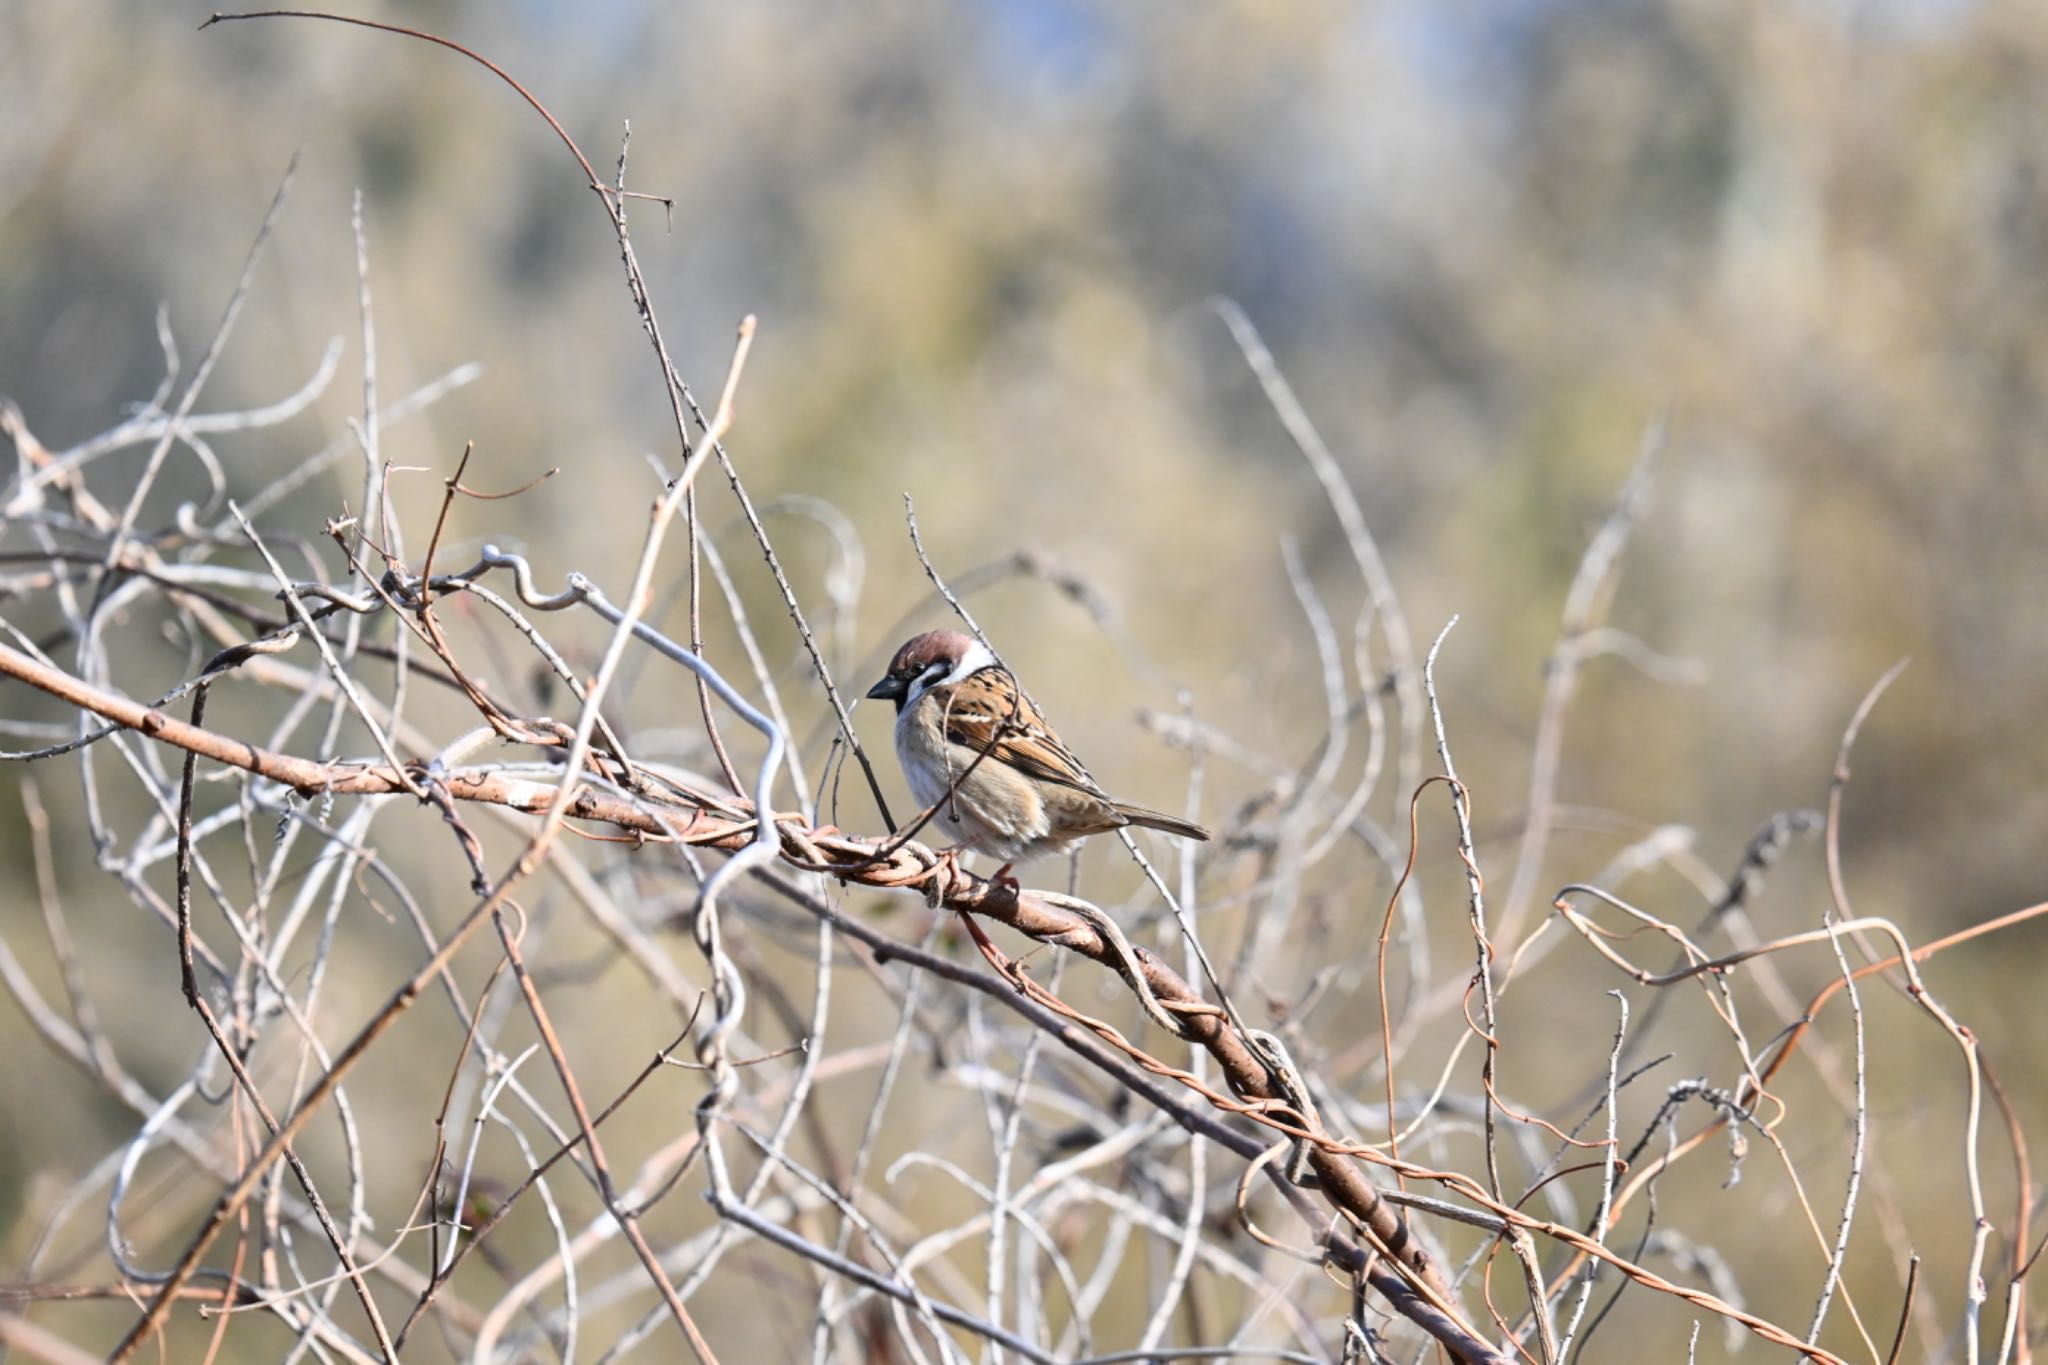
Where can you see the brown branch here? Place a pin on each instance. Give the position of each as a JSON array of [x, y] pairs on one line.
[[906, 866]]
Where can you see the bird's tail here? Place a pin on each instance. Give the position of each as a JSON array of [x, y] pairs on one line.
[[1172, 824]]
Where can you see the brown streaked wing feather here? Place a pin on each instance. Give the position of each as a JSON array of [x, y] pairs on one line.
[[988, 703]]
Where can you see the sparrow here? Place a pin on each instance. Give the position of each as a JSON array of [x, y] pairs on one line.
[[972, 745]]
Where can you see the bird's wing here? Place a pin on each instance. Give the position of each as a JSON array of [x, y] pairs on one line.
[[989, 707]]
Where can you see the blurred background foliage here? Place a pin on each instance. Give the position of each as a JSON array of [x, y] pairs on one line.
[[1488, 242]]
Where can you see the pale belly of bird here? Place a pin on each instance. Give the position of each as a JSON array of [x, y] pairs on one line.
[[990, 810]]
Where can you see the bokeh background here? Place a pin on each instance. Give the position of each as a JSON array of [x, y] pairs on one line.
[[1488, 243]]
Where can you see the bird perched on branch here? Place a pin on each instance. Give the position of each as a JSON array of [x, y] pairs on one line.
[[972, 745]]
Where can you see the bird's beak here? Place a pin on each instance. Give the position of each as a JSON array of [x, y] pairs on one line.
[[890, 688]]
